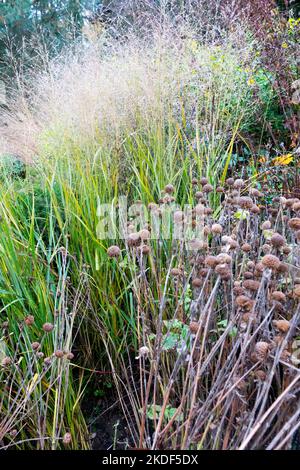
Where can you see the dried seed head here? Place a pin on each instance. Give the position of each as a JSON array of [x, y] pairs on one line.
[[59, 353], [194, 327], [251, 265], [278, 296], [271, 262], [286, 249], [223, 270], [197, 282], [70, 356], [133, 239], [277, 240], [220, 189], [203, 181], [113, 251], [248, 275], [266, 248], [282, 325], [29, 320], [207, 188], [224, 258], [178, 217], [294, 223], [260, 375], [203, 272], [35, 345], [255, 209], [246, 247], [245, 202], [47, 327], [296, 206], [252, 285], [297, 291], [175, 272], [254, 192], [6, 361], [169, 188], [194, 181], [198, 195], [230, 181], [47, 361], [211, 261], [67, 439], [238, 290], [216, 229], [261, 350], [242, 301], [266, 225], [238, 183], [144, 234]]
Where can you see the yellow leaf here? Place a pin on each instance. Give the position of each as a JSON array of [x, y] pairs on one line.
[[283, 159]]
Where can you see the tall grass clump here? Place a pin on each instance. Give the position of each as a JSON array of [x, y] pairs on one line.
[[154, 117]]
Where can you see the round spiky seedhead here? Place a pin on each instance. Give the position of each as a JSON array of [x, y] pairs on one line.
[[277, 240], [67, 439], [282, 325], [133, 239], [294, 223], [251, 285], [224, 258], [246, 247], [59, 353], [211, 261], [262, 350], [238, 183], [244, 302], [48, 327], [203, 181], [144, 234], [29, 320], [6, 361], [35, 345], [207, 188], [194, 327], [216, 229], [271, 262], [113, 251], [245, 202], [169, 188], [278, 296], [70, 356], [197, 282], [175, 272], [266, 225]]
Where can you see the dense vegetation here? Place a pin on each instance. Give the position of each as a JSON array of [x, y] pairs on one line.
[[185, 316]]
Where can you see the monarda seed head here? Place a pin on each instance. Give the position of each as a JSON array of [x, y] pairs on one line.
[[211, 261], [242, 301], [222, 269], [6, 361], [296, 206], [277, 240], [216, 229], [59, 353], [207, 188], [254, 192], [238, 183], [296, 291], [251, 285], [178, 217], [48, 327], [175, 272], [69, 356], [266, 225], [255, 209], [220, 189], [35, 345], [113, 251], [282, 325], [198, 195], [286, 249], [169, 188], [262, 350], [245, 202], [224, 258], [266, 248], [248, 275], [144, 234], [294, 223], [246, 247], [29, 320], [278, 296], [271, 262], [203, 181], [197, 282], [144, 249], [194, 327], [194, 181], [230, 181], [67, 439], [260, 375], [133, 239]]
